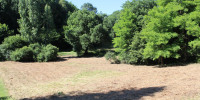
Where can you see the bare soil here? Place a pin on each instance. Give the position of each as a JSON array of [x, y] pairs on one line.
[[97, 79]]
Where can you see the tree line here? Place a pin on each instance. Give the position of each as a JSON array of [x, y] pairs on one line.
[[143, 32]]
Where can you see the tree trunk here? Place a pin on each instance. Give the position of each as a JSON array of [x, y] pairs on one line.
[[162, 61], [86, 51]]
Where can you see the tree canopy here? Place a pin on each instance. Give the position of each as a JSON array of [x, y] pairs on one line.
[[84, 30]]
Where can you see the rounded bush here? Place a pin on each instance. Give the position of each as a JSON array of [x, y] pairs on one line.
[[48, 53], [12, 43], [24, 54]]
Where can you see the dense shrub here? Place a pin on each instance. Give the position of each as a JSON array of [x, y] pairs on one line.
[[37, 48], [24, 54], [112, 57], [48, 53], [12, 43]]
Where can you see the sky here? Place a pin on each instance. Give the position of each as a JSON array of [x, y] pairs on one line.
[[104, 6]]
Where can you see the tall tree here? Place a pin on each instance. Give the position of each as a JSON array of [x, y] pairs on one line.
[[172, 30], [49, 31], [159, 32], [30, 19], [36, 21], [128, 42], [125, 29], [84, 31]]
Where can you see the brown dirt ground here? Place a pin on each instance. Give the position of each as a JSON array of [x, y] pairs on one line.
[[97, 79]]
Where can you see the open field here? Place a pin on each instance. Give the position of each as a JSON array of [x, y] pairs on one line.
[[96, 79]]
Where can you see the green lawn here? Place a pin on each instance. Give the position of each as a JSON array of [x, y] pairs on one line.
[[3, 92]]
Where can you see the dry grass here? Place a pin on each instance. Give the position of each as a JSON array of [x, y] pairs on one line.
[[96, 77]]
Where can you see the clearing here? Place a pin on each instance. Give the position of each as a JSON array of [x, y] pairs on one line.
[[96, 79]]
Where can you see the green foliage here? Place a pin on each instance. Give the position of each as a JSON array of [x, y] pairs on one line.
[[30, 19], [35, 52], [24, 54], [112, 57], [12, 43], [4, 32], [128, 42], [48, 53], [36, 48], [109, 22], [140, 8], [84, 31], [89, 7], [172, 30], [134, 54], [16, 48], [1, 56], [125, 29], [49, 31], [37, 21], [159, 32], [9, 13]]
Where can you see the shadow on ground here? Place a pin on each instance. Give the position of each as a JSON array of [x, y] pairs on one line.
[[131, 94]]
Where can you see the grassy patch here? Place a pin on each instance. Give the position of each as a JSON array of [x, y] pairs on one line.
[[197, 97], [86, 76], [72, 53], [3, 92]]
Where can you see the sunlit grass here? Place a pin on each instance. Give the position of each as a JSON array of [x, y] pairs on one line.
[[72, 53], [85, 76], [3, 92]]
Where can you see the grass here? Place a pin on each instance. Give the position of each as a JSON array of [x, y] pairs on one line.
[[4, 95], [86, 76], [72, 53]]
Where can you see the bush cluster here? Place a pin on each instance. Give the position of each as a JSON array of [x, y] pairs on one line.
[[23, 54], [16, 48], [35, 52]]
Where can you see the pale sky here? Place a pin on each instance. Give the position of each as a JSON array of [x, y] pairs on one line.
[[104, 6]]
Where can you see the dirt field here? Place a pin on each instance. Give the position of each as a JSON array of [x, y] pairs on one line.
[[97, 79]]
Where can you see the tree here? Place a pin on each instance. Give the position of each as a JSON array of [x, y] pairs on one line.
[[49, 33], [84, 31], [172, 30], [140, 8], [159, 33], [125, 29], [109, 22], [89, 7], [128, 41], [36, 23], [30, 19], [61, 10]]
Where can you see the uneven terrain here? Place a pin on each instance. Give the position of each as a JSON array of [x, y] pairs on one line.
[[93, 78]]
